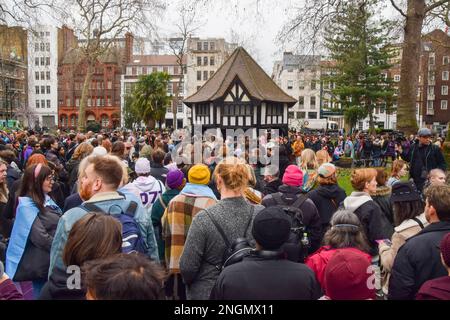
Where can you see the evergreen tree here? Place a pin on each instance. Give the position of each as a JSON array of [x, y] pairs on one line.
[[360, 47]]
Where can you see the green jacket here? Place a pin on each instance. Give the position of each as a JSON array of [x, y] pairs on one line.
[[158, 212]]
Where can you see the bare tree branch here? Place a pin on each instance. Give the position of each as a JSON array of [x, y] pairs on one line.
[[397, 8], [434, 5]]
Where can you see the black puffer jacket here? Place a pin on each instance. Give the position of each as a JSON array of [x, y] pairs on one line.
[[375, 224], [256, 278], [327, 199], [418, 261]]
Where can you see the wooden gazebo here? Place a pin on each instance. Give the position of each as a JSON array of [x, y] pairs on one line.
[[240, 95]]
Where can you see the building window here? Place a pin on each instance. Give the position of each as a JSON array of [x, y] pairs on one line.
[[36, 61], [291, 115], [445, 60], [301, 85], [109, 84], [212, 46], [36, 47], [48, 75], [199, 61], [211, 60], [431, 90], [444, 104], [42, 46], [312, 115], [47, 61], [166, 69], [108, 101], [205, 75], [445, 75], [211, 73], [290, 84], [170, 88], [301, 115], [42, 61], [99, 102], [397, 78], [42, 103], [77, 102], [89, 102], [36, 75], [444, 90], [205, 46], [48, 103], [67, 102], [313, 102], [205, 61], [47, 46], [301, 102], [37, 89], [48, 89], [105, 120], [42, 33], [313, 85], [430, 105], [180, 107], [42, 89], [37, 104], [199, 45], [431, 60], [42, 75], [47, 33]]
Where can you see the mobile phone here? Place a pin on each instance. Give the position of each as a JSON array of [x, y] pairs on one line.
[[386, 241]]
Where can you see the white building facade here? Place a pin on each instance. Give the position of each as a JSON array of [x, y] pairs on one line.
[[42, 77], [299, 76]]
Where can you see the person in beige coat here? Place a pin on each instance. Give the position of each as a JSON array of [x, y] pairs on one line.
[[409, 218]]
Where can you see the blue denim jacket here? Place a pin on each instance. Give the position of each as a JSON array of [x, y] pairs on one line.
[[104, 201]]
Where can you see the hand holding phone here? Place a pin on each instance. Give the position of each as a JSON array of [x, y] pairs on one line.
[[385, 241]]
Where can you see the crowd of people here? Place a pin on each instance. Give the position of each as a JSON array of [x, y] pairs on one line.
[[128, 215]]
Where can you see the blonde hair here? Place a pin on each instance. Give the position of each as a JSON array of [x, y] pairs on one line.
[[82, 151], [360, 177], [234, 173], [309, 160], [251, 176], [322, 157], [397, 166]]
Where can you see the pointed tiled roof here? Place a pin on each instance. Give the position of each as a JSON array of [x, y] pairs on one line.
[[252, 76]]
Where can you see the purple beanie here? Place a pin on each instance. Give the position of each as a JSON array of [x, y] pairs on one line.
[[174, 178]]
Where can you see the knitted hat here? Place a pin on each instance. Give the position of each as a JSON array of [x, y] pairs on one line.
[[293, 176], [199, 174], [346, 277], [326, 170], [271, 228], [174, 178], [142, 166], [445, 249], [424, 132], [404, 192], [99, 151]]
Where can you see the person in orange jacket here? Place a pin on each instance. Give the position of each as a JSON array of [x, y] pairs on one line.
[[297, 148]]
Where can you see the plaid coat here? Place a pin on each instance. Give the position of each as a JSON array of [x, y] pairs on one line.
[[175, 225]]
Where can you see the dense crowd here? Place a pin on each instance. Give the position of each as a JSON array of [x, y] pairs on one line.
[[131, 215]]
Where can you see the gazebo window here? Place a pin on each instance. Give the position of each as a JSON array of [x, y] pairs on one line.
[[237, 110], [274, 109], [202, 110]]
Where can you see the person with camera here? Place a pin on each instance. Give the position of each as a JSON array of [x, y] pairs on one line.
[[265, 273], [423, 156], [203, 253]]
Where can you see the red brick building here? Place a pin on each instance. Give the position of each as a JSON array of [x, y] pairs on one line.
[[103, 103]]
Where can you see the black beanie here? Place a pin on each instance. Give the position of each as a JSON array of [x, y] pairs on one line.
[[271, 228]]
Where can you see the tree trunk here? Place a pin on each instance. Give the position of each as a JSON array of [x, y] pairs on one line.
[[84, 97], [371, 124], [406, 111]]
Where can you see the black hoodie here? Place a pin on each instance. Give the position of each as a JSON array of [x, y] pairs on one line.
[[327, 199]]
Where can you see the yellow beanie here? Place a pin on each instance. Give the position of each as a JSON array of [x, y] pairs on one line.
[[199, 174]]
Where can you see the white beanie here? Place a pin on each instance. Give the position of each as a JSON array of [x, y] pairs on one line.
[[99, 151], [142, 166]]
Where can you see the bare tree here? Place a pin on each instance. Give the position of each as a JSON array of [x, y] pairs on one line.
[[100, 23], [188, 23], [307, 24]]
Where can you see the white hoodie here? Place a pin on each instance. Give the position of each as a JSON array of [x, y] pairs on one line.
[[148, 189], [356, 200]]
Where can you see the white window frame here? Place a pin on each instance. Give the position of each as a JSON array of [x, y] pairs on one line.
[[444, 90], [397, 78], [445, 75], [444, 105]]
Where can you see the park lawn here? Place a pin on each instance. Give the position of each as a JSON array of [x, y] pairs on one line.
[[344, 179]]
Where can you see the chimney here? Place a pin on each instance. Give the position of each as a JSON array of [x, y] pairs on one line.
[[129, 39]]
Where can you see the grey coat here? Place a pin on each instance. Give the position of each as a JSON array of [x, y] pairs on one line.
[[204, 243]]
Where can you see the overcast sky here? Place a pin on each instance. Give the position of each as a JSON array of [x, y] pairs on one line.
[[255, 22]]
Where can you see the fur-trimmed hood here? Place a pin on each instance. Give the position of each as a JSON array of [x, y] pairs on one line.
[[382, 191]]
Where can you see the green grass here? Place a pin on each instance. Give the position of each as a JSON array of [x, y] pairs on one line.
[[344, 180]]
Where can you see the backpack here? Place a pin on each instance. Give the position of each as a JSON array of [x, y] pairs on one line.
[[235, 251], [296, 246], [132, 240]]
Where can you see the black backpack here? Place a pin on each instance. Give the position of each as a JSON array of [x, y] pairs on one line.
[[235, 251], [296, 246]]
